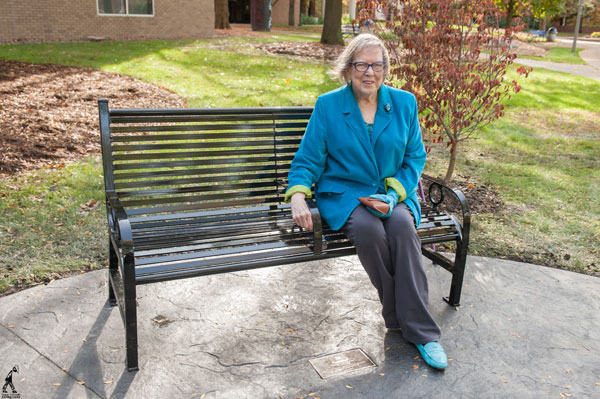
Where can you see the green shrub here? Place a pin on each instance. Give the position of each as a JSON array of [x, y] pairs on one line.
[[308, 20]]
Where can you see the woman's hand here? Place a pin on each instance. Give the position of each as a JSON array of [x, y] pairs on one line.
[[300, 211]]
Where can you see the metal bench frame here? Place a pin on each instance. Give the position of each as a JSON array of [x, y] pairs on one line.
[[193, 192]]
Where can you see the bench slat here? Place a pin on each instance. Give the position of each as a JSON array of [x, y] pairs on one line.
[[199, 154], [204, 145], [274, 250], [202, 205], [198, 180], [207, 136], [197, 172]]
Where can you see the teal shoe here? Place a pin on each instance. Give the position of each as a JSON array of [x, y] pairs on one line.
[[434, 355]]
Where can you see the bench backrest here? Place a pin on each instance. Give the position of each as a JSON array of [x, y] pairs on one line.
[[187, 159]]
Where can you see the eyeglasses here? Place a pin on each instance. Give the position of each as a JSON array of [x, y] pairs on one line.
[[364, 66]]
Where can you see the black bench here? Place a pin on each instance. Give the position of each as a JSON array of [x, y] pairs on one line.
[[193, 192], [350, 29]]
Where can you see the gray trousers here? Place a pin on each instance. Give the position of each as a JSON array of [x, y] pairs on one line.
[[390, 251]]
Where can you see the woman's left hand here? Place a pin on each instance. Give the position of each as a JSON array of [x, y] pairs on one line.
[[301, 212]]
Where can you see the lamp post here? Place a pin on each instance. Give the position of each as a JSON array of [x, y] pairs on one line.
[[577, 25]]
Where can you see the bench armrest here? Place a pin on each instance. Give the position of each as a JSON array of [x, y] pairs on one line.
[[317, 227], [118, 221], [437, 198]]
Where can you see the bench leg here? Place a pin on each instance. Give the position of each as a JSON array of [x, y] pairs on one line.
[[458, 273], [113, 267], [130, 317]]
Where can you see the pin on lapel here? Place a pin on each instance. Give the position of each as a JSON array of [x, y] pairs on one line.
[[387, 107]]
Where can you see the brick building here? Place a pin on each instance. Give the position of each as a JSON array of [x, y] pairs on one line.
[[280, 12], [78, 20]]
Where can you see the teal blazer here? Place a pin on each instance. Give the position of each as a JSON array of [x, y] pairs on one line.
[[345, 163]]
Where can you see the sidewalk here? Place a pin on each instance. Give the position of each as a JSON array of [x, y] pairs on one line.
[[522, 331], [590, 54]]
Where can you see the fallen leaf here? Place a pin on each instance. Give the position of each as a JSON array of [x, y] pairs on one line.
[[12, 326], [415, 367], [81, 382], [56, 384], [349, 387], [568, 371], [108, 382], [424, 375], [387, 349], [381, 374]]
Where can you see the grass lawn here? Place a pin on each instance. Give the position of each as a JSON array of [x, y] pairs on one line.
[[560, 54], [542, 158]]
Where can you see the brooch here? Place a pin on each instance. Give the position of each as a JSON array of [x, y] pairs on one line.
[[387, 107]]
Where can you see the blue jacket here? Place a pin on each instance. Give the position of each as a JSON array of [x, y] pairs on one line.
[[338, 156]]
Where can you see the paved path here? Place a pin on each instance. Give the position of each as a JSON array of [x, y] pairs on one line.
[[590, 54], [522, 331]]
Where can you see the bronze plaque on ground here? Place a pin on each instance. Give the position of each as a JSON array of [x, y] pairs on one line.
[[341, 363]]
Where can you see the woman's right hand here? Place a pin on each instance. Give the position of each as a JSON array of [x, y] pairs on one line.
[[300, 211]]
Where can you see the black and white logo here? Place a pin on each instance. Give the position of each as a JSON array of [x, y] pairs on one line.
[[8, 384]]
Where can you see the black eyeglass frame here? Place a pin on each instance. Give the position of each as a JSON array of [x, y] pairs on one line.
[[372, 66]]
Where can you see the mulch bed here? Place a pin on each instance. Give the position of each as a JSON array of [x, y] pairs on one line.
[[49, 113], [303, 50]]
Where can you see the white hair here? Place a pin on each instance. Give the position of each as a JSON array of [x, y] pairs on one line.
[[343, 62]]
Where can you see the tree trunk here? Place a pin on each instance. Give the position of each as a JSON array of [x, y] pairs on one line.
[[222, 14], [260, 15], [332, 24], [451, 164], [352, 9], [544, 23], [510, 10], [312, 8], [292, 14], [304, 7]]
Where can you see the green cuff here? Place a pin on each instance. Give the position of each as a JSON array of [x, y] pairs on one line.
[[297, 189], [392, 182]]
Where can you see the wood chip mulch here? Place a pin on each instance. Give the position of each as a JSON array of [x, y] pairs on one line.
[[49, 113], [303, 50]]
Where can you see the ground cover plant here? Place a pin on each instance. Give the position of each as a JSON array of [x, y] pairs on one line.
[[538, 167]]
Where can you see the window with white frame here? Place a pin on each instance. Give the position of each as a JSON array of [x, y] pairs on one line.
[[126, 7]]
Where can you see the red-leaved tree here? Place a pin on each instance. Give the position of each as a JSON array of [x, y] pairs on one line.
[[453, 56]]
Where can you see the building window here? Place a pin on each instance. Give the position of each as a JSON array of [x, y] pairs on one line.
[[126, 7]]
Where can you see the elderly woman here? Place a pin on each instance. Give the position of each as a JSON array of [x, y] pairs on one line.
[[364, 140]]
